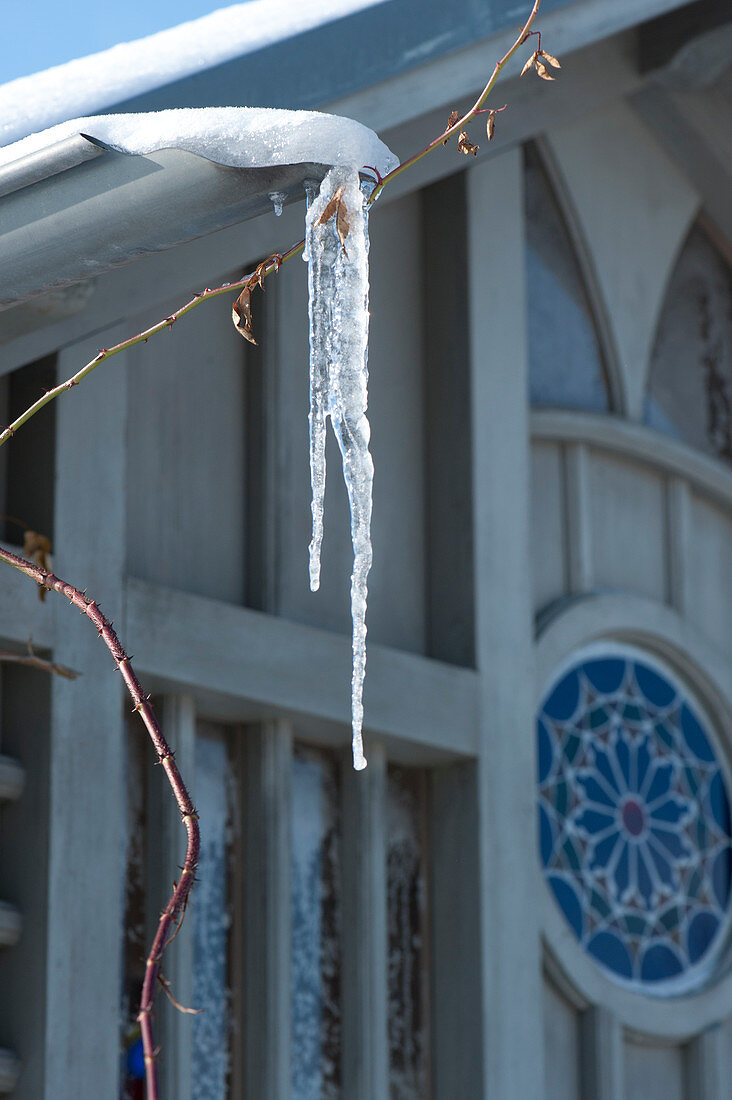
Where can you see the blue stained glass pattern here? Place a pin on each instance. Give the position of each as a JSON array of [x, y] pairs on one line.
[[634, 822]]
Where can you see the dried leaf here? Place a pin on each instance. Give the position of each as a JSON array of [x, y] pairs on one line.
[[331, 208], [552, 60], [342, 223], [258, 276], [529, 63], [491, 125], [38, 549], [542, 71], [466, 146], [241, 315], [454, 116]]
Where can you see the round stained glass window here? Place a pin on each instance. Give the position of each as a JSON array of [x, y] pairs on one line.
[[634, 821]]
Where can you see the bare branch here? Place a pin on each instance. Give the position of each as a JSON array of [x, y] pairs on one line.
[[166, 758]]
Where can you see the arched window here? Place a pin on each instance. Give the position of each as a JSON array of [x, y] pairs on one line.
[[565, 361], [689, 393]]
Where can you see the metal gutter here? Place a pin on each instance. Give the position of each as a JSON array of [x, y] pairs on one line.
[[77, 209], [45, 163]]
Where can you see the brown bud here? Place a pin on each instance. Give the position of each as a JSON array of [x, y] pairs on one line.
[[491, 125], [466, 146], [454, 116]]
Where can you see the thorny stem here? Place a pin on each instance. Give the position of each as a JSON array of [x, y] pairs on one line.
[[165, 756]]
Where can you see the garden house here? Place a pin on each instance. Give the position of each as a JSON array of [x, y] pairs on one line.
[[526, 894]]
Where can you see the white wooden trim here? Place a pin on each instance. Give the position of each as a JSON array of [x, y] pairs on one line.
[[579, 518], [706, 1065], [634, 441], [460, 73], [511, 957], [87, 789], [238, 663], [679, 537], [262, 1065], [601, 1055], [365, 943]]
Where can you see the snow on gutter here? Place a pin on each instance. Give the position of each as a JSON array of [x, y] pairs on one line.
[[95, 193], [90, 84]]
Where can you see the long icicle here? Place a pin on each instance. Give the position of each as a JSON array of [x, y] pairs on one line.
[[339, 322], [320, 253]]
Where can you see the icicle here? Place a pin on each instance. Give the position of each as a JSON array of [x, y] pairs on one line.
[[277, 198], [338, 282], [321, 248]]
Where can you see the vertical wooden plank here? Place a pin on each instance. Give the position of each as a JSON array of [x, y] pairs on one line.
[[678, 538], [511, 956], [706, 1065], [87, 793], [601, 1055], [261, 939], [365, 947], [166, 849], [579, 519], [456, 986], [448, 488]]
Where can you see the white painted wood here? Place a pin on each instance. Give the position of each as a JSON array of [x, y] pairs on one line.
[[628, 526], [635, 209], [456, 978], [679, 535], [561, 1047], [710, 571], [601, 1055], [580, 571], [461, 72], [166, 839], [548, 519], [653, 1072], [86, 854], [365, 943], [12, 779], [185, 522], [229, 657], [707, 1068], [511, 966], [262, 939], [633, 441]]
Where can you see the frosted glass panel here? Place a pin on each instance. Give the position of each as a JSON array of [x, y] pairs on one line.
[[407, 921], [690, 381], [211, 920], [316, 928], [565, 364]]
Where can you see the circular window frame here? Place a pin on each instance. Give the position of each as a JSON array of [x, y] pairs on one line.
[[658, 634]]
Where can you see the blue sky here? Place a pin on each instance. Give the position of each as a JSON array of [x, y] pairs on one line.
[[39, 33]]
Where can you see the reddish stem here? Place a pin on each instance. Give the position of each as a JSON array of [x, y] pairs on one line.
[[188, 813]]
